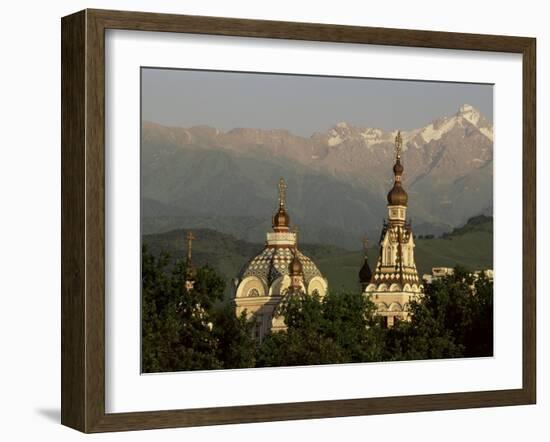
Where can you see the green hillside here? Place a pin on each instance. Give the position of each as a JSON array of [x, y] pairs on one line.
[[470, 246]]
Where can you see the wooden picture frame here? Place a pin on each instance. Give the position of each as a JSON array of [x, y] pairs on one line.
[[83, 220]]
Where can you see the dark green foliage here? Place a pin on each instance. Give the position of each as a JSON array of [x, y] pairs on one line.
[[157, 313], [478, 337], [336, 329], [236, 346], [194, 330], [304, 342], [350, 321], [180, 328], [454, 319]]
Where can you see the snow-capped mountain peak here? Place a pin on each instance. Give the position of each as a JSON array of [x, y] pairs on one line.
[[469, 113], [467, 116], [435, 130]]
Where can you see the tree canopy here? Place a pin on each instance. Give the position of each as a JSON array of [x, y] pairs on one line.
[[189, 329], [453, 319], [196, 330]]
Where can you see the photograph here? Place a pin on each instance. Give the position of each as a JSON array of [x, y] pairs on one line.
[[296, 220], [269, 222]]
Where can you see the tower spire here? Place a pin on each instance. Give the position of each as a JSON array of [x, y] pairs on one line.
[[281, 220], [282, 193], [190, 238], [398, 146], [365, 273], [395, 267], [295, 269], [397, 195], [190, 271]]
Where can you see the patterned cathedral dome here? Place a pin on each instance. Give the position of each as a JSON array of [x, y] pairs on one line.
[[278, 271], [273, 262]]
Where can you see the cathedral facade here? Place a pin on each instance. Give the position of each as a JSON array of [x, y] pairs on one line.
[[279, 270], [394, 281]]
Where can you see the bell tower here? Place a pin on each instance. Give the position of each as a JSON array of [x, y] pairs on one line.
[[395, 280], [190, 271]]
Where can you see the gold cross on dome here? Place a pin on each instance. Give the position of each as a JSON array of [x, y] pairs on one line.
[[398, 145], [190, 238], [295, 230], [282, 192], [365, 243]]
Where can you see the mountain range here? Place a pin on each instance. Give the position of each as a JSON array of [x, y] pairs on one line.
[[202, 177]]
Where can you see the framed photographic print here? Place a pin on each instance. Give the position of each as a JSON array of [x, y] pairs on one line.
[[270, 220]]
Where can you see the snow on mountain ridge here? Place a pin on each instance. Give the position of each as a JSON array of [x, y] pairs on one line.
[[335, 140], [469, 113], [430, 132], [466, 115]]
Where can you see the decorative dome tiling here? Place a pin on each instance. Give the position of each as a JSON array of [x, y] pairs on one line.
[[273, 262]]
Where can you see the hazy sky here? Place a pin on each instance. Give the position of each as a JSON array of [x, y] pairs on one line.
[[300, 104]]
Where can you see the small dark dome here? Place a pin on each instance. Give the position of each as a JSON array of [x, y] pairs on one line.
[[281, 218], [397, 195], [398, 168], [295, 267], [365, 273]]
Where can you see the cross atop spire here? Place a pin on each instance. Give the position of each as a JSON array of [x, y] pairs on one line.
[[190, 238], [365, 243], [295, 230], [282, 193], [398, 146], [295, 268], [281, 220], [190, 271]]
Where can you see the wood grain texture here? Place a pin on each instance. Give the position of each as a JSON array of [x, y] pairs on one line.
[[144, 21], [73, 254], [529, 220], [95, 221], [83, 219]]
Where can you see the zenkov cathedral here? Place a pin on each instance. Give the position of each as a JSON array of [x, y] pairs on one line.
[[395, 281], [282, 270]]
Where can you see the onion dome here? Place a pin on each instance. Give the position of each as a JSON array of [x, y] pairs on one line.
[[281, 219], [398, 168], [295, 267], [397, 195], [365, 274], [281, 256]]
